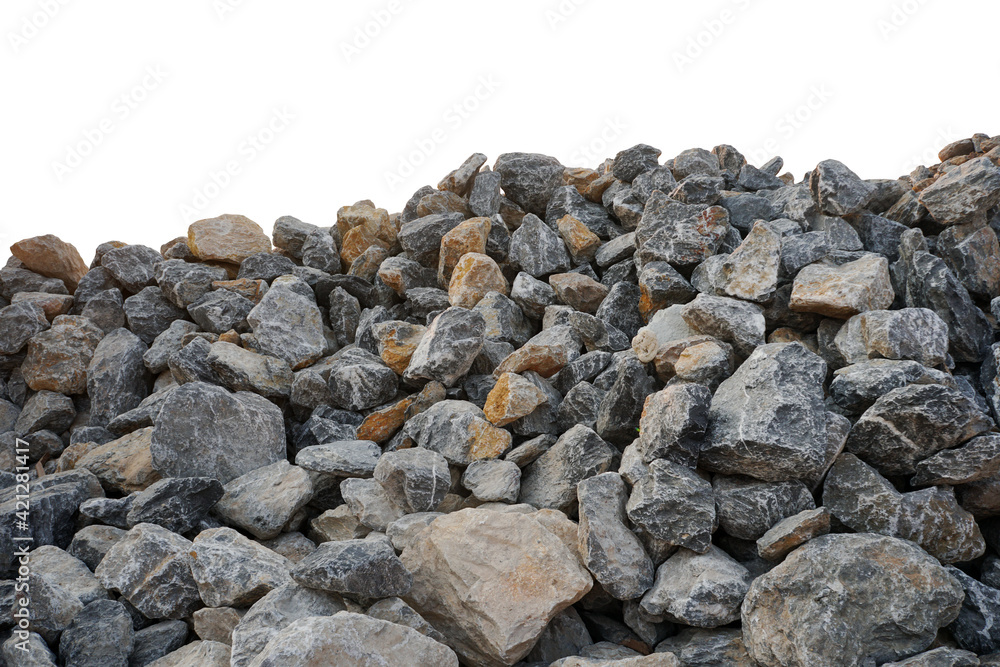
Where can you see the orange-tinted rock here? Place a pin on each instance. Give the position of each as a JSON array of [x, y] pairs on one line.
[[469, 236], [364, 214], [245, 287], [231, 337], [367, 263], [666, 356], [357, 240], [52, 304], [511, 398], [124, 465], [57, 359], [581, 292], [544, 354], [382, 424], [475, 276], [843, 291], [488, 441], [595, 190], [442, 202], [460, 181], [227, 238], [396, 343], [579, 177], [580, 241], [51, 257]]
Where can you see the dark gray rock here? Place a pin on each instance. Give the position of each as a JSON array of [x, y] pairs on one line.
[[267, 266], [674, 504], [459, 431], [132, 266], [111, 511], [157, 640], [100, 636], [673, 424], [681, 234], [344, 315], [633, 161], [203, 430], [220, 311], [287, 323], [550, 481], [567, 200], [18, 323], [45, 410], [91, 543], [856, 387], [167, 343], [505, 321], [149, 313], [106, 310], [977, 459], [117, 379], [484, 199], [537, 249], [747, 507], [264, 501], [290, 234], [532, 295], [972, 252], [580, 405], [528, 179], [361, 568], [190, 363], [839, 190], [359, 380], [421, 238], [233, 571], [185, 282], [621, 406], [977, 627], [612, 552], [449, 347], [177, 504]]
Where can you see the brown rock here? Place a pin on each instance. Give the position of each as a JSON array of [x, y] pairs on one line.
[[253, 290], [52, 257], [57, 359], [469, 236], [490, 582], [52, 304], [364, 214], [581, 292], [442, 202], [511, 398], [579, 177], [124, 465], [396, 342], [382, 424], [580, 241], [792, 532], [366, 265], [357, 241], [474, 277], [843, 291], [227, 238]]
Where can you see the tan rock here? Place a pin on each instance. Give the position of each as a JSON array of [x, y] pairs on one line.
[[843, 291], [581, 292], [337, 525], [52, 304], [442, 202], [227, 238], [469, 236], [382, 424], [751, 271], [594, 191], [253, 290], [474, 277], [666, 355], [124, 465], [580, 241], [511, 398], [579, 177], [792, 532], [364, 214], [52, 257], [216, 623], [488, 441], [359, 239], [57, 359], [396, 342], [491, 582], [365, 266]]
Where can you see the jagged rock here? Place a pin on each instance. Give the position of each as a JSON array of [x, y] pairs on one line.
[[57, 358], [220, 311], [702, 590], [974, 629], [449, 347], [839, 190], [524, 576], [459, 431], [196, 654], [622, 404], [736, 322], [747, 507], [149, 313], [546, 353], [177, 504], [673, 504], [792, 532], [856, 387], [612, 552], [511, 398], [493, 480], [151, 567], [101, 635], [185, 282], [345, 458], [845, 290], [751, 271], [287, 323], [242, 370], [156, 641], [227, 238], [529, 179], [359, 380], [680, 234], [415, 478], [368, 501], [47, 410], [958, 195], [846, 591], [18, 323], [233, 571], [537, 249], [550, 481], [977, 459], [673, 424], [365, 568], [216, 623], [124, 465], [264, 500], [117, 379], [52, 257]]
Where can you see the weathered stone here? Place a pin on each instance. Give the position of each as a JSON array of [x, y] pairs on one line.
[[537, 249], [545, 353], [529, 179], [736, 322], [347, 458], [747, 508], [581, 243], [18, 323], [132, 266], [149, 313], [492, 481], [792, 532], [52, 257], [532, 295], [468, 237], [940, 657], [359, 380], [166, 343], [158, 640], [369, 502], [242, 370], [673, 424], [912, 423], [550, 481], [504, 319], [287, 323], [233, 571], [856, 387], [28, 651], [117, 379], [57, 359], [59, 568], [839, 190], [674, 504], [361, 568], [264, 500], [52, 304], [958, 195], [421, 238], [100, 636], [621, 407], [634, 161], [475, 276], [415, 478], [843, 291], [90, 544], [511, 398], [837, 599], [45, 410], [492, 598], [151, 567], [977, 459], [124, 465], [751, 271], [579, 291], [972, 252], [177, 504], [216, 623], [227, 238], [910, 333], [749, 432], [221, 310], [680, 234], [196, 654], [459, 431], [703, 590], [204, 430], [447, 350]]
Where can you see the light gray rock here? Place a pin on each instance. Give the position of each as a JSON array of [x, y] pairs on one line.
[[345, 458], [493, 480], [416, 478], [702, 590], [449, 347], [233, 571], [263, 501], [287, 323], [674, 504]]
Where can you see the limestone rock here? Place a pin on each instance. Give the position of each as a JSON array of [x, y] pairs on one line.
[[227, 238]]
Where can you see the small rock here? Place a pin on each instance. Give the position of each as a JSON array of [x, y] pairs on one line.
[[493, 480], [475, 276], [242, 370], [529, 179], [702, 590], [958, 195], [360, 568], [100, 636], [346, 458], [415, 478], [459, 431], [537, 249], [747, 508], [839, 190], [233, 571], [550, 481], [264, 500], [736, 322], [673, 424], [18, 323], [448, 349], [792, 532], [287, 324], [511, 398]]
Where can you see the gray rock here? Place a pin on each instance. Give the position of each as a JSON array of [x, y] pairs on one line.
[[550, 481], [537, 249], [484, 199], [736, 322], [673, 424], [151, 568], [395, 610], [532, 295], [415, 478], [267, 266], [166, 344], [529, 179], [504, 319], [263, 501], [365, 568], [421, 238], [233, 571], [493, 480], [567, 200], [940, 657], [149, 313], [680, 234], [64, 570], [846, 592], [290, 234], [345, 458], [672, 503], [18, 323], [856, 387], [276, 611], [359, 380], [112, 511], [348, 638], [100, 636], [117, 379], [205, 431], [190, 363], [749, 431], [631, 162], [911, 333], [220, 311], [45, 410], [621, 406], [132, 266], [196, 654], [747, 507], [912, 423], [367, 500], [702, 590], [449, 347], [186, 282], [977, 459], [243, 370], [459, 431], [612, 552], [976, 629], [90, 544], [960, 194], [28, 652], [287, 323], [177, 504], [972, 252], [580, 405], [839, 190], [157, 640]]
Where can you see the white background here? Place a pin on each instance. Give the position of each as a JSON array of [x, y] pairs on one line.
[[121, 117]]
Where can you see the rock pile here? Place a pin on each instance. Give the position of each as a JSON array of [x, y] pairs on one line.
[[678, 413]]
